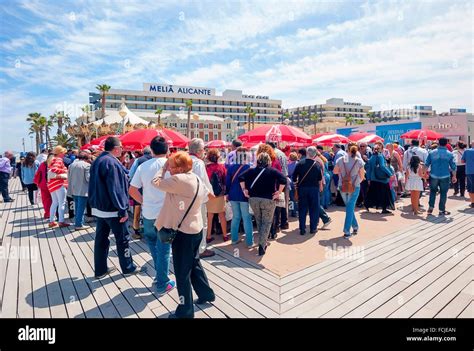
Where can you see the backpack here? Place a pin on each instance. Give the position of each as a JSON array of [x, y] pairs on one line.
[[347, 184], [217, 186]]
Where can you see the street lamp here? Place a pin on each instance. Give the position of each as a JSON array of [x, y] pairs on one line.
[[122, 114]]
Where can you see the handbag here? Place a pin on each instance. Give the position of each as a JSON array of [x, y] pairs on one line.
[[379, 172], [167, 235], [295, 194]]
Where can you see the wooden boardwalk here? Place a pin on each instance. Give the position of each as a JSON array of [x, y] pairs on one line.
[[423, 271]]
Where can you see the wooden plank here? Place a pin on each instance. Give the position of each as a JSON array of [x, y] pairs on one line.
[[25, 285], [82, 300], [346, 276], [370, 251], [468, 311], [354, 281], [105, 306], [7, 223], [115, 295], [10, 293], [459, 304], [374, 245], [402, 297], [435, 305]]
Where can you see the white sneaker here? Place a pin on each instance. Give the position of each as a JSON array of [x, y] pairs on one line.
[[325, 225]]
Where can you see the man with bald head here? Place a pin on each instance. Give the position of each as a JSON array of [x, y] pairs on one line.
[[5, 172]]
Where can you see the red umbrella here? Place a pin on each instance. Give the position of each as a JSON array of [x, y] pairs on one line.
[[331, 139], [320, 135], [100, 140], [365, 138], [217, 144], [422, 134], [138, 139], [276, 133]]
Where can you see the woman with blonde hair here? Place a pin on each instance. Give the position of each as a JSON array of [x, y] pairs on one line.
[[57, 185], [181, 211]]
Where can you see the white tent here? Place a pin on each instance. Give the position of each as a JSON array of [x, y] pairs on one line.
[[113, 116]]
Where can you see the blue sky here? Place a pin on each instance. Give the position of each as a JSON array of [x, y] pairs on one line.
[[386, 54]]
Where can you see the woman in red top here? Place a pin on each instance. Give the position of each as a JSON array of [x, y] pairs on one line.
[[41, 180], [216, 172], [57, 185]]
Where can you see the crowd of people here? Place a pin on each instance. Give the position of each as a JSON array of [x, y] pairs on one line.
[[181, 200]]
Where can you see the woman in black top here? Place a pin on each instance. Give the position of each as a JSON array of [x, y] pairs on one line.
[[262, 185]]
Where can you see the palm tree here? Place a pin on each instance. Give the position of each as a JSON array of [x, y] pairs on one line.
[[314, 117], [86, 109], [104, 89], [61, 119], [371, 117], [189, 106], [65, 141], [349, 120], [249, 111], [158, 112], [304, 114], [35, 127], [252, 115], [43, 123], [49, 125]]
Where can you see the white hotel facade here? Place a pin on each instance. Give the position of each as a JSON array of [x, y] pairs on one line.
[[172, 99]]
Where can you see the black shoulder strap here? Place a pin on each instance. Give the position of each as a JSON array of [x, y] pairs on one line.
[[192, 203]]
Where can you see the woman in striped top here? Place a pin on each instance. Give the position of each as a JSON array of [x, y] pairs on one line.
[[57, 185]]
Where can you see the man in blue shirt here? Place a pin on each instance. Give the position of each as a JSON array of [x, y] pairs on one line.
[[441, 162], [468, 159]]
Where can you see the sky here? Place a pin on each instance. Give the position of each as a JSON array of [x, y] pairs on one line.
[[386, 54]]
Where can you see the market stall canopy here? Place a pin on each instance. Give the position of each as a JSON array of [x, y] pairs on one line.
[[276, 133], [113, 116], [426, 134], [138, 139]]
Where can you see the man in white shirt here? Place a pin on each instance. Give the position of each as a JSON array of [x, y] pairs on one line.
[[414, 149], [152, 201], [196, 151]]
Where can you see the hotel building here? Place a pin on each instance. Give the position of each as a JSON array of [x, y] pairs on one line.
[[172, 99], [330, 115]]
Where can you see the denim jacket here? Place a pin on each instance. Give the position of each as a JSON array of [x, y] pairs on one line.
[[442, 162]]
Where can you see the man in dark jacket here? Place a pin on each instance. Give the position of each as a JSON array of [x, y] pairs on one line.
[[108, 197], [308, 176]]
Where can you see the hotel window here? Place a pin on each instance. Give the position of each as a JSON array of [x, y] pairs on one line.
[[206, 126], [216, 136], [140, 98], [141, 107], [206, 137], [149, 99], [229, 125], [160, 99]]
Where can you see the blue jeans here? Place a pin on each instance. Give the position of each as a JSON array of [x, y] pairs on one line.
[[443, 185], [240, 210], [159, 252], [326, 195], [308, 201], [80, 203], [350, 200]]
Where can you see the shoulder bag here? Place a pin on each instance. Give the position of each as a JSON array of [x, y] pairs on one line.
[[379, 172], [167, 235]]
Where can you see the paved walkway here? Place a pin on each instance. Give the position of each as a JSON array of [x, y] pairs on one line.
[[421, 271]]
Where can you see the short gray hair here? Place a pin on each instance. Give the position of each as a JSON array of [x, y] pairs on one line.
[[311, 152], [147, 150], [196, 145]]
